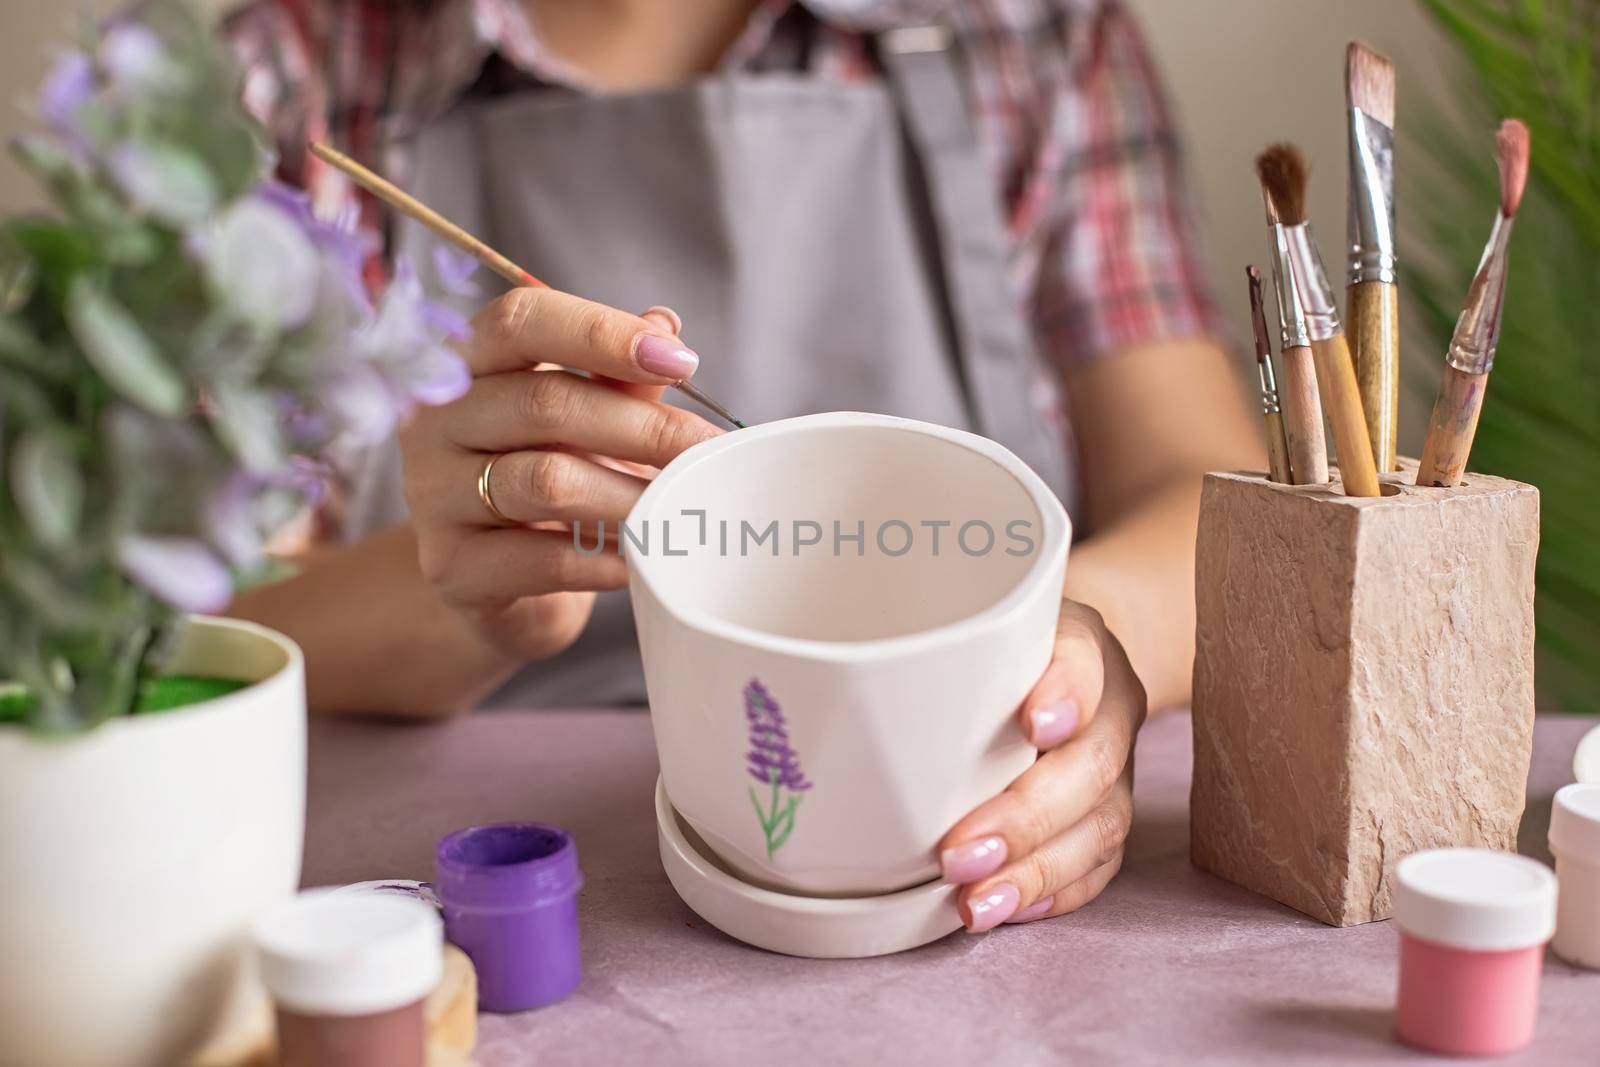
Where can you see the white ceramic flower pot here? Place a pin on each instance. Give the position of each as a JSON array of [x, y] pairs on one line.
[[133, 858], [823, 715]]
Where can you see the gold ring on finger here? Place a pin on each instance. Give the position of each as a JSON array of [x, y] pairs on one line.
[[484, 493]]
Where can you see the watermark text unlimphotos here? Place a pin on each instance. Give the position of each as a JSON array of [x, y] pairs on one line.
[[695, 531]]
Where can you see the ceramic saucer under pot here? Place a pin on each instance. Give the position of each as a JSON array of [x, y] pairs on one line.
[[818, 927]]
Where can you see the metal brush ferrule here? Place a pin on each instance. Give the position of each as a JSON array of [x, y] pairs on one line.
[[1291, 320], [1371, 221], [1478, 328], [1311, 283], [1269, 387]]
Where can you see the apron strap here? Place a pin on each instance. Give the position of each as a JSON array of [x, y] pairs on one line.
[[997, 356]]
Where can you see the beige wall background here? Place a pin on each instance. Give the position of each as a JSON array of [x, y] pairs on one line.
[[1244, 73], [1241, 73], [31, 33]]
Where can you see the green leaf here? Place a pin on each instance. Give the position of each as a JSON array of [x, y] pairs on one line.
[[248, 421], [43, 158], [60, 249], [1541, 420], [167, 180], [47, 486], [18, 275], [125, 357], [22, 349]]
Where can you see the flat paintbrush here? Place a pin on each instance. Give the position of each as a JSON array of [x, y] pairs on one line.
[[1302, 417], [1283, 174], [404, 202], [1277, 444], [1454, 422], [1373, 305]]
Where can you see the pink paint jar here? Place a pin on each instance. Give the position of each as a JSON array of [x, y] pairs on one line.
[[1473, 926], [1575, 840], [349, 974]]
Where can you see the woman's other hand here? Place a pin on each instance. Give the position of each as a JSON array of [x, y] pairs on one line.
[[1053, 840], [571, 448]]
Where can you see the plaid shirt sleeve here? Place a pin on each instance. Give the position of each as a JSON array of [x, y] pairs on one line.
[[1118, 252]]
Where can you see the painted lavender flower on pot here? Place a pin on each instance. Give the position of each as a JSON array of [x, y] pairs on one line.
[[774, 763]]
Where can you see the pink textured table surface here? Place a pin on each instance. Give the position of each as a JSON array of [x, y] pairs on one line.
[[1170, 965]]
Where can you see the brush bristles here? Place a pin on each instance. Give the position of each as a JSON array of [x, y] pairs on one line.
[[1272, 212], [1282, 169], [1511, 145], [1369, 82]]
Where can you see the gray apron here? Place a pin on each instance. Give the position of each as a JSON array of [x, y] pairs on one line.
[[829, 247]]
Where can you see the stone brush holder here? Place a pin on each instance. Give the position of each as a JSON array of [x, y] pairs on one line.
[[1363, 681]]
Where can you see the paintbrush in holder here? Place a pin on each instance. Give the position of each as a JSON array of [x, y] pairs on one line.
[[1357, 699]]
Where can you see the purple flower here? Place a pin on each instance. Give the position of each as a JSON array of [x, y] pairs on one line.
[[442, 377], [262, 263], [773, 761], [248, 509], [454, 271], [336, 240], [67, 88], [180, 570], [361, 402], [408, 343], [134, 59]]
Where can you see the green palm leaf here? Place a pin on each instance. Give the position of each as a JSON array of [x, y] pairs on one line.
[[1535, 59]]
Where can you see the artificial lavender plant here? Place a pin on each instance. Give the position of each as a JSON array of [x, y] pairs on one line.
[[774, 763], [183, 345]]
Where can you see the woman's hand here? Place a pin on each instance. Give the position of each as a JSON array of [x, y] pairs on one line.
[[1054, 838], [572, 449]]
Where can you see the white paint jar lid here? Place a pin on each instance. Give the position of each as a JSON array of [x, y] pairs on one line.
[[1575, 822], [326, 952], [1475, 898], [1586, 759]]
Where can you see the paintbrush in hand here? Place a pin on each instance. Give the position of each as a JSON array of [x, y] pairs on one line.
[[1308, 447], [1283, 175], [407, 204], [1277, 444], [1373, 305], [1471, 353]]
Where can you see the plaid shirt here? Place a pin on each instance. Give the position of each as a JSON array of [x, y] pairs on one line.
[[1068, 107]]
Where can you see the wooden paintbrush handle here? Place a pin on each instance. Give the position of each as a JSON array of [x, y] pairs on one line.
[[1277, 448], [1451, 428], [1302, 409], [1375, 343], [1336, 377]]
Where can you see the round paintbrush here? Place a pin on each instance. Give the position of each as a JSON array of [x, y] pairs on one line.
[[1302, 409], [1454, 421], [1283, 175], [1277, 444], [407, 204]]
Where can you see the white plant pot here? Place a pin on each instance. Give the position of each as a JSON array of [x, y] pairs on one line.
[[899, 674], [133, 858]]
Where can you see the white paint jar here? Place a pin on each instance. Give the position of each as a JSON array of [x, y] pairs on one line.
[[1575, 840]]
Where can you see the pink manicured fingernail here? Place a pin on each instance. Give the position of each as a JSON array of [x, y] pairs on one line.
[[1053, 723], [993, 908], [1033, 911], [662, 311], [665, 356], [973, 860]]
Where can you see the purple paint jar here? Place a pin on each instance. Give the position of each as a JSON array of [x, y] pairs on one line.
[[510, 897]]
